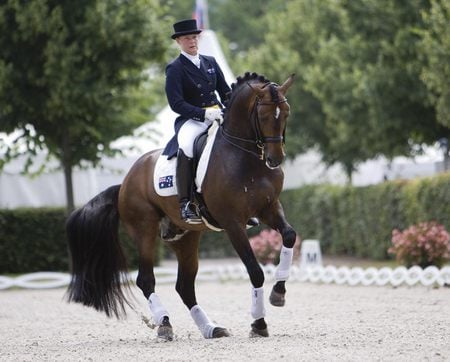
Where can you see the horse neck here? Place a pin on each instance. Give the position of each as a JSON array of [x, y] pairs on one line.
[[238, 120]]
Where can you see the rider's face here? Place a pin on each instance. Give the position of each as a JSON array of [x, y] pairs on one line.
[[188, 43]]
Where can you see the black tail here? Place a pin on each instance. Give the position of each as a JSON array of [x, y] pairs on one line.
[[97, 259]]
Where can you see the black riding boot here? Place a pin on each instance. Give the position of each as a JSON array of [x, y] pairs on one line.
[[184, 185]]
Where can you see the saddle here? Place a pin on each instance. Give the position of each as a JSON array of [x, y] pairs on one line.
[[199, 146]]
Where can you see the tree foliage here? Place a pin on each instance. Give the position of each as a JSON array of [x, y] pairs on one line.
[[360, 92], [72, 73], [435, 50]]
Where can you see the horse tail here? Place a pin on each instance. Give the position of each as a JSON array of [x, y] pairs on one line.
[[98, 262]]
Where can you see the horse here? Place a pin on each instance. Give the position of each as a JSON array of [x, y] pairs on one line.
[[244, 180]]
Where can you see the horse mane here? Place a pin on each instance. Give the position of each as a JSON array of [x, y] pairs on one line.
[[243, 81]]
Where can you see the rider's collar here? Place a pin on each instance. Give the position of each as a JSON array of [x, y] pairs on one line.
[[193, 58]]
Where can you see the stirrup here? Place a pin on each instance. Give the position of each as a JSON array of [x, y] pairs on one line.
[[188, 215]]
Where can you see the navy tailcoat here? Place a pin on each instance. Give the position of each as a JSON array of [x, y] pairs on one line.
[[190, 90]]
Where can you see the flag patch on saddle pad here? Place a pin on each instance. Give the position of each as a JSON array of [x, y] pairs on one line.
[[165, 172], [165, 182]]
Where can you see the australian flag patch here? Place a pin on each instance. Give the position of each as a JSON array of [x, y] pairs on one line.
[[165, 182]]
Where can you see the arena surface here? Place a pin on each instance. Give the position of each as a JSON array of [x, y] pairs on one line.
[[319, 322]]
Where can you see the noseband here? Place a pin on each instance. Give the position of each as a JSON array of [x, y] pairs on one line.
[[260, 140]]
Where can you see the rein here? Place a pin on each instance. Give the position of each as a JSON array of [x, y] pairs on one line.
[[260, 140]]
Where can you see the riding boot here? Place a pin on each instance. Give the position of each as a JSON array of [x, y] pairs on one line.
[[184, 185]]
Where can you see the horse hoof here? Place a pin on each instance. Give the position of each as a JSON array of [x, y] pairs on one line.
[[165, 331], [259, 333], [259, 329], [220, 332], [277, 299]]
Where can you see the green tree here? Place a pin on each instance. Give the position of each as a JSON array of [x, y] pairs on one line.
[[435, 50], [360, 92], [179, 10], [72, 74]]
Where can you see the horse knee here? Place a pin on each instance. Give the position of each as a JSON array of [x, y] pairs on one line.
[[289, 236]]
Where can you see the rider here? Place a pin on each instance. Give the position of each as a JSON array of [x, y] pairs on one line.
[[191, 84]]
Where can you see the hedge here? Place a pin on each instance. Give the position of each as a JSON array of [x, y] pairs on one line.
[[347, 220], [359, 220], [34, 240]]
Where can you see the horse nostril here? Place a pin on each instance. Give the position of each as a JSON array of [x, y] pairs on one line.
[[272, 163]]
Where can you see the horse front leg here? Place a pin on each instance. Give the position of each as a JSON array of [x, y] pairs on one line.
[[241, 244], [186, 250], [276, 220]]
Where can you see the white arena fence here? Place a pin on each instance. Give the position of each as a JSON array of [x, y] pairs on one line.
[[430, 276]]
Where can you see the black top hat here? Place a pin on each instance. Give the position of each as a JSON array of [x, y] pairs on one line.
[[185, 27]]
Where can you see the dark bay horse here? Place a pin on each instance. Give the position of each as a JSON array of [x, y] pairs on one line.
[[244, 180]]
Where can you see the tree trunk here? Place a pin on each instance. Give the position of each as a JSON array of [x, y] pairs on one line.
[[349, 173], [447, 158], [67, 166], [445, 147]]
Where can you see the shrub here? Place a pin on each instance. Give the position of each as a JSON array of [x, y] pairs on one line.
[[33, 240], [267, 245], [424, 244]]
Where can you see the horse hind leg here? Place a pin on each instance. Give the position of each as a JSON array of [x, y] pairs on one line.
[[186, 250], [144, 232]]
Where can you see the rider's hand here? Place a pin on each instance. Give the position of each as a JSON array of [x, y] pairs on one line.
[[214, 114]]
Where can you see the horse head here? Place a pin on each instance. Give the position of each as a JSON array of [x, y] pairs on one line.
[[269, 115]]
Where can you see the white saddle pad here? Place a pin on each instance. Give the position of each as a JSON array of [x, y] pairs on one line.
[[164, 178]]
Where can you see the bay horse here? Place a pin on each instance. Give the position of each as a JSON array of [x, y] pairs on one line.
[[243, 180]]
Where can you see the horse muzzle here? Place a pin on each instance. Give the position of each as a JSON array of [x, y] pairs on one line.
[[274, 162]]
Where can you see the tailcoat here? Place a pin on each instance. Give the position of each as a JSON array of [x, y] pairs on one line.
[[190, 90]]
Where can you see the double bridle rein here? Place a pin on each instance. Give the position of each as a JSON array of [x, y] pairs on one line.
[[260, 141]]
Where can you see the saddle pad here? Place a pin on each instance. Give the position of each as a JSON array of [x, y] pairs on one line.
[[164, 177]]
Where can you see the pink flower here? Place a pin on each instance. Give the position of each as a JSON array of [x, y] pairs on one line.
[[427, 243], [267, 245]]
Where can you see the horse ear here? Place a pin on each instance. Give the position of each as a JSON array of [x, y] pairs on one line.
[[285, 86], [257, 89]]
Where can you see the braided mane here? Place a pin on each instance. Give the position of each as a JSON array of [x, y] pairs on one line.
[[243, 80]]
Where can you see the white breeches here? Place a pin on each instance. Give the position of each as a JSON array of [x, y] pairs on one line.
[[187, 133]]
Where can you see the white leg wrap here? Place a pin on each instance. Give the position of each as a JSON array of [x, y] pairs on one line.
[[157, 309], [258, 310], [282, 272], [202, 321]]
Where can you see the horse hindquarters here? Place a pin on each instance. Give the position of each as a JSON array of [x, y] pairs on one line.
[[97, 259]]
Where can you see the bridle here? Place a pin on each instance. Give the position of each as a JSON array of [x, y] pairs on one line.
[[260, 140]]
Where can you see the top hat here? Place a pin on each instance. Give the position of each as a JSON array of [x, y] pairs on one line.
[[185, 27]]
